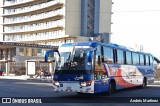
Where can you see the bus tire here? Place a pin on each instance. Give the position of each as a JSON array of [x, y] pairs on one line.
[[144, 85], [80, 93]]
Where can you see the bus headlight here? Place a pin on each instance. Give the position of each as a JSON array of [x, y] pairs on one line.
[[56, 83], [86, 83], [83, 83]]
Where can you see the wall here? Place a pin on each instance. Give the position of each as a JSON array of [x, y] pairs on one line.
[[1, 21], [73, 17], [105, 16]]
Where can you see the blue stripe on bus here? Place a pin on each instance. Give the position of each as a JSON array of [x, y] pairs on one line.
[[92, 44], [72, 77]]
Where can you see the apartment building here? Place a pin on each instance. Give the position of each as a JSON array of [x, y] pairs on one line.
[[51, 22]]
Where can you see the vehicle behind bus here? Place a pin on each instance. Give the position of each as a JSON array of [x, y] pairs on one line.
[[94, 67]]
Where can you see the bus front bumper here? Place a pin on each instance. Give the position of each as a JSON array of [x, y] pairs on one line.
[[65, 86]]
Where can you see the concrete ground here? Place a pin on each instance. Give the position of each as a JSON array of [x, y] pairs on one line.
[[24, 77]]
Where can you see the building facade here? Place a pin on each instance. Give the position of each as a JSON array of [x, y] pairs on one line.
[[51, 22]]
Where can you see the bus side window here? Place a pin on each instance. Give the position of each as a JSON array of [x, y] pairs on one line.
[[147, 60], [135, 58], [151, 60], [98, 55], [107, 55], [120, 57], [141, 59], [128, 57]]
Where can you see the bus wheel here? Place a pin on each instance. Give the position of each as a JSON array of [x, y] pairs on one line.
[[144, 85], [80, 93]]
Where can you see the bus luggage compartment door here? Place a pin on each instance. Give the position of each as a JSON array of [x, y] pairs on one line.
[[100, 86]]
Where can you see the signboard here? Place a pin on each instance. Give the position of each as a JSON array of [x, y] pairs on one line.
[[101, 37], [31, 68], [27, 45]]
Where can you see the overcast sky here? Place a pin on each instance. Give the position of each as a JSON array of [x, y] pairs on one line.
[[137, 22]]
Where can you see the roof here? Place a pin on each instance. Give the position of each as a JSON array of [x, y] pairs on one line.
[[95, 44]]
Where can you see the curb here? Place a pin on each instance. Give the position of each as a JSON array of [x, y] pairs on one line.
[[14, 77]]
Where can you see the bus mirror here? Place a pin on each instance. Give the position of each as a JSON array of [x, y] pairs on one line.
[[47, 54], [89, 55]]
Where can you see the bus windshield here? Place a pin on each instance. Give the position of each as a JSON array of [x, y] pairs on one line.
[[73, 60]]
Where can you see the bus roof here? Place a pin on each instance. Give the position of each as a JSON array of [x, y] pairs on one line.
[[95, 44]]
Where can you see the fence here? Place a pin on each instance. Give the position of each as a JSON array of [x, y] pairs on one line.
[[19, 67]]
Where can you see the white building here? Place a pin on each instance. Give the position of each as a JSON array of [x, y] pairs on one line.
[[51, 22]]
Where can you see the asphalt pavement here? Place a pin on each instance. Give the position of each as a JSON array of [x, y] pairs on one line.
[[27, 87], [24, 77]]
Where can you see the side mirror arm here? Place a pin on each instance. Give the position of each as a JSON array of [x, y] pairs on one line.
[[89, 55], [47, 54]]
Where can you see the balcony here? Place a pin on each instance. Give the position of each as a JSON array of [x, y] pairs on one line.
[[53, 28], [36, 9], [52, 39], [21, 3], [34, 20]]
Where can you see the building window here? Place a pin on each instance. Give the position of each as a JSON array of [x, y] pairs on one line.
[[21, 50]]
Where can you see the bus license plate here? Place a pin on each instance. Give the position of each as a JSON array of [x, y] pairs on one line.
[[69, 88]]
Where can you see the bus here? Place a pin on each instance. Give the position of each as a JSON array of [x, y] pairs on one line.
[[95, 67]]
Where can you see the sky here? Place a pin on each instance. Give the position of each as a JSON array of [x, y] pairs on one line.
[[136, 23]]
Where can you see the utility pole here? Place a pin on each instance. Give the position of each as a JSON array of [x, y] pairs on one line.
[[141, 48]]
